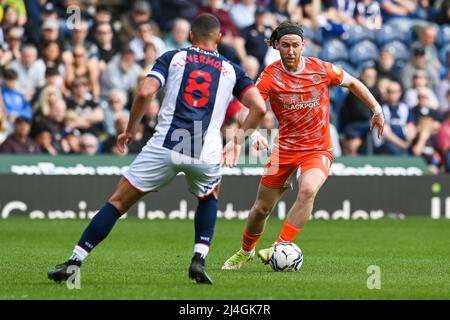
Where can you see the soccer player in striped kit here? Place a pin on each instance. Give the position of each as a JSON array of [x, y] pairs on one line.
[[199, 84]]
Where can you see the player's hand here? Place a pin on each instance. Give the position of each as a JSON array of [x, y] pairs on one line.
[[378, 121], [230, 154], [258, 141], [123, 140]]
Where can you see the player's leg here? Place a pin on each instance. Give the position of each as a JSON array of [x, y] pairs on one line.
[[99, 227], [151, 170], [204, 183], [309, 185], [314, 170], [266, 199]]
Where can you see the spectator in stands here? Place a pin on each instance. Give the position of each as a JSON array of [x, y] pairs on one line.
[[172, 9], [243, 13], [251, 67], [115, 109], [231, 44], [12, 47], [255, 35], [53, 122], [103, 15], [141, 13], [419, 61], [427, 39], [14, 14], [122, 72], [84, 113], [399, 128], [179, 37], [310, 13], [79, 38], [149, 57], [443, 90], [391, 9], [423, 108], [386, 65], [104, 41], [420, 82], [45, 139], [144, 34], [284, 10], [151, 119], [89, 144], [71, 143], [52, 57], [341, 13], [424, 144], [444, 14], [50, 32], [30, 71], [82, 67], [48, 95], [368, 14], [356, 117], [19, 141], [443, 140], [15, 103]]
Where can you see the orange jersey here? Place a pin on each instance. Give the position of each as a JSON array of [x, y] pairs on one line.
[[301, 102]]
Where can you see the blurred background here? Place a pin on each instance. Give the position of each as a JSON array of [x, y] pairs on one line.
[[69, 70]]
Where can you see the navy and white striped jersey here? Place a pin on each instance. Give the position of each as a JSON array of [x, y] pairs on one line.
[[199, 85]]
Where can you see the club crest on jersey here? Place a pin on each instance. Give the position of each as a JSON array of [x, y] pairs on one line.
[[315, 79]]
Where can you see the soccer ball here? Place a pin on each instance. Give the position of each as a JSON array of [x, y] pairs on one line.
[[286, 256]]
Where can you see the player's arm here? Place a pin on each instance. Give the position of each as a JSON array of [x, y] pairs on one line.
[[146, 91], [363, 93], [251, 99]]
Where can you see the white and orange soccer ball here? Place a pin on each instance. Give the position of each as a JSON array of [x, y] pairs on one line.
[[286, 256]]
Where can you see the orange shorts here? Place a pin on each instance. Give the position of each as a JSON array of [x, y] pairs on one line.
[[283, 163]]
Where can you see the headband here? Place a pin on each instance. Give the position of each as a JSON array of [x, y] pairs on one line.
[[289, 30]]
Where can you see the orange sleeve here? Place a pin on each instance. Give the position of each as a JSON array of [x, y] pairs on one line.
[[263, 84], [335, 74]]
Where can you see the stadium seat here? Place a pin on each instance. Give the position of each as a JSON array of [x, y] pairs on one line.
[[334, 50], [388, 33], [362, 52], [347, 67], [398, 49], [443, 35], [311, 50], [356, 34]]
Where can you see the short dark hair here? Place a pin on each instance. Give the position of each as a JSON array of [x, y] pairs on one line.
[[205, 25], [10, 74]]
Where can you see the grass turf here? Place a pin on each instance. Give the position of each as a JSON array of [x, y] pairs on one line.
[[149, 260]]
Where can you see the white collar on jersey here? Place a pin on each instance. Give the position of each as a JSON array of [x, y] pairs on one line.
[[295, 72]]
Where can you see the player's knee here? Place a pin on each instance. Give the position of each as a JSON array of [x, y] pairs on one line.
[[308, 192], [118, 203], [261, 209]]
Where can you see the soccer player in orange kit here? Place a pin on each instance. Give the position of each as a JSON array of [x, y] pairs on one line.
[[298, 89]]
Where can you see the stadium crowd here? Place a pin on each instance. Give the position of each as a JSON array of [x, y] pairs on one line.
[[67, 84]]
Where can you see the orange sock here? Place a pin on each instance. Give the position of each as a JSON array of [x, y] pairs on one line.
[[249, 241], [288, 232]]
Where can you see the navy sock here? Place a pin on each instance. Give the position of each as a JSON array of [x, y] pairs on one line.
[[204, 222], [99, 227]]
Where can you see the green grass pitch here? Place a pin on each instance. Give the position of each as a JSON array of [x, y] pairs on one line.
[[149, 260]]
